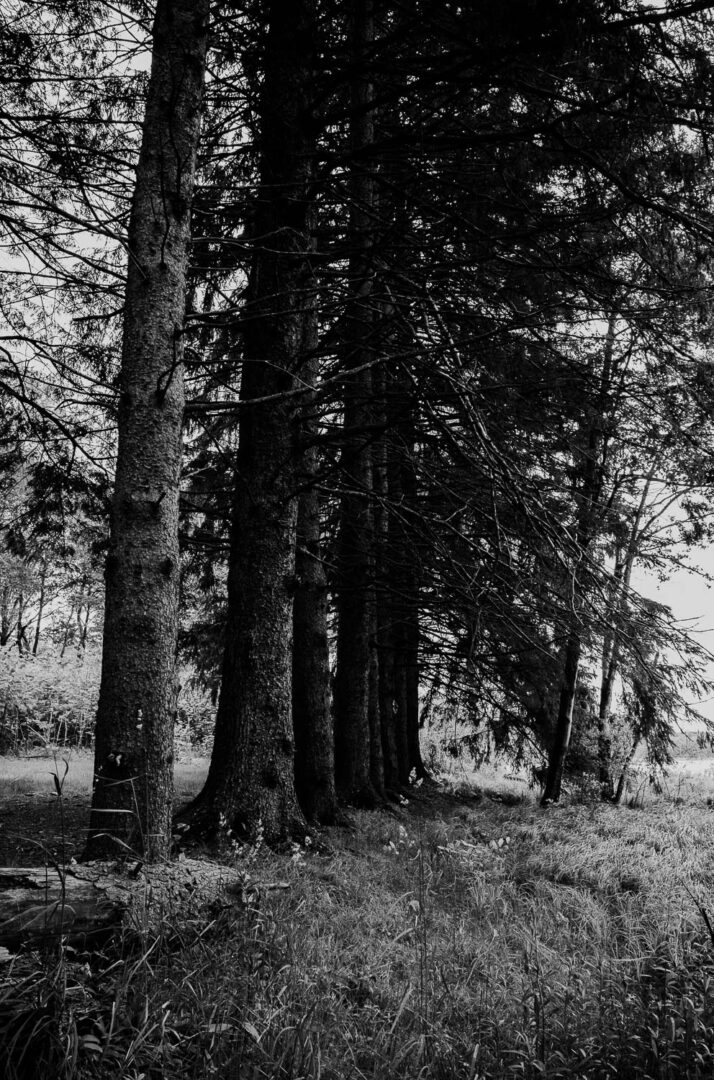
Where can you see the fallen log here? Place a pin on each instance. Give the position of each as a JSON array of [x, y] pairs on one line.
[[43, 903], [82, 903]]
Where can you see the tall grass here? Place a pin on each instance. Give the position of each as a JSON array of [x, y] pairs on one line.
[[461, 941]]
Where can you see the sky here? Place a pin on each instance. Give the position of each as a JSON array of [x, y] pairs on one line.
[[691, 599]]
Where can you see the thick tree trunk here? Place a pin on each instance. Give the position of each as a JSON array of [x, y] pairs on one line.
[[250, 784], [131, 804], [358, 781]]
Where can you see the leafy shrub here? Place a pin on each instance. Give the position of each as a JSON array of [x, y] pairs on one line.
[[47, 699], [196, 718], [51, 700]]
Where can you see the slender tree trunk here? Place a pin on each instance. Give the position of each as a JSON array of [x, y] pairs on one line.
[[609, 668], [620, 790], [410, 604], [376, 753], [411, 675], [564, 722], [401, 713], [250, 784], [5, 624], [356, 747], [384, 583], [40, 609], [83, 622], [404, 601], [312, 717], [67, 628], [394, 636], [132, 799], [19, 625], [387, 704], [376, 750], [611, 645], [588, 498]]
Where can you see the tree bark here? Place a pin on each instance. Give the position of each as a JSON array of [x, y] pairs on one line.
[[40, 609], [5, 624], [410, 604], [250, 784], [131, 803], [357, 774], [622, 577], [20, 637], [384, 584], [312, 718], [564, 722]]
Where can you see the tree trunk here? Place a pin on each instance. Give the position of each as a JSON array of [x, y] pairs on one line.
[[131, 803], [376, 750], [411, 675], [40, 609], [410, 601], [588, 497], [564, 722], [312, 718], [250, 784], [19, 625], [620, 790], [401, 712], [5, 624], [355, 744], [622, 577], [83, 623], [384, 571], [403, 583]]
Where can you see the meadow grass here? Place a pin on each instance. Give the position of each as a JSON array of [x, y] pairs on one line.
[[461, 940], [33, 775]]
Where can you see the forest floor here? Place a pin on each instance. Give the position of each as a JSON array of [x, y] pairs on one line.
[[469, 934]]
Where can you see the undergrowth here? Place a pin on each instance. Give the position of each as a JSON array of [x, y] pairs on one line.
[[455, 941]]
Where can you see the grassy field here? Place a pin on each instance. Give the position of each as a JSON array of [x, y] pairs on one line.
[[468, 935], [28, 775]]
